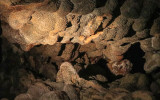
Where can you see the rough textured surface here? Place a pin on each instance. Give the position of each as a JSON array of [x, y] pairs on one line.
[[129, 88], [94, 48], [112, 24]]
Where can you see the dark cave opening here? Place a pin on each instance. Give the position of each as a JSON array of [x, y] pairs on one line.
[[110, 76], [135, 55], [99, 68]]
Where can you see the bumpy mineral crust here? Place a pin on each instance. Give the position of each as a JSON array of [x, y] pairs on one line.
[[113, 25]]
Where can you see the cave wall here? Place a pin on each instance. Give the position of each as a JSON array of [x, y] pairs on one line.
[[98, 37], [112, 25]]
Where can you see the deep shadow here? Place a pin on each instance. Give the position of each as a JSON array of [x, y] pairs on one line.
[[135, 55], [0, 43], [130, 33], [69, 24], [63, 46], [60, 39], [110, 76], [116, 11], [100, 3], [76, 46], [99, 68], [155, 15]]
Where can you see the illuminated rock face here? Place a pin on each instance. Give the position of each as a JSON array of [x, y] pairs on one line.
[[113, 25]]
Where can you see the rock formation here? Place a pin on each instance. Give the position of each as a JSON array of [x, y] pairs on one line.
[[92, 39]]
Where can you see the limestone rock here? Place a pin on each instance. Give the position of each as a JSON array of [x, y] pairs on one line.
[[131, 8], [37, 90], [152, 61], [144, 95], [131, 82], [24, 97], [55, 95]]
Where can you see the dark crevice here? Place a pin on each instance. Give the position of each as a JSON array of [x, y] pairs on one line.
[[155, 15], [130, 33], [69, 24], [156, 71], [56, 66], [30, 18], [71, 38], [48, 59], [38, 45], [135, 55], [63, 46], [100, 3], [60, 39], [81, 54], [110, 40], [116, 12], [72, 5], [124, 44], [76, 46], [100, 28]]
